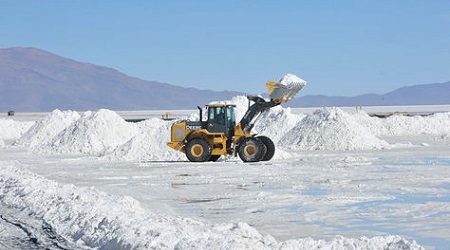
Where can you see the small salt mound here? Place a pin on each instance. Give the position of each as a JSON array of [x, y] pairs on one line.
[[43, 131], [437, 124], [291, 78], [149, 144], [13, 130], [373, 124], [94, 133], [277, 122], [331, 129]]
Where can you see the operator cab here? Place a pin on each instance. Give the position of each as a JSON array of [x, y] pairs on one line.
[[221, 119]]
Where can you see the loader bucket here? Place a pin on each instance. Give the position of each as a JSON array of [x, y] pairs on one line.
[[282, 93]]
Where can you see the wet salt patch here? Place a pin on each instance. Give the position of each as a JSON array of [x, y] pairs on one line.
[[112, 178], [315, 191]]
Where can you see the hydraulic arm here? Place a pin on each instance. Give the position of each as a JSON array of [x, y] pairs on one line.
[[254, 111]]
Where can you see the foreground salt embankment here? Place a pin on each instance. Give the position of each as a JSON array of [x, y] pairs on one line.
[[88, 218]]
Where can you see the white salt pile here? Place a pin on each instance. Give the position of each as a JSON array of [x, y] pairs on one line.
[[87, 218], [149, 144], [331, 129], [277, 122], [373, 124], [43, 131], [95, 133], [13, 130]]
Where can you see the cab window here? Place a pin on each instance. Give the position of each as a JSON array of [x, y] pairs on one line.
[[230, 116], [216, 115]]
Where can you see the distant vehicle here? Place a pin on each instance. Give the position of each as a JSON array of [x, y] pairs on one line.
[[11, 113], [166, 117]]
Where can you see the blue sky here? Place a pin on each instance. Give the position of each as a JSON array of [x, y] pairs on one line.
[[339, 47]]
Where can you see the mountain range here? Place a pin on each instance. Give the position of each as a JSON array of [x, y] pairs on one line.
[[36, 80]]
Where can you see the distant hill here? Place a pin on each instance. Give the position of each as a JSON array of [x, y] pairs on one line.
[[424, 94], [36, 80]]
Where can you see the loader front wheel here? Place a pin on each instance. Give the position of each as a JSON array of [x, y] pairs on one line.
[[269, 146], [251, 150], [198, 150]]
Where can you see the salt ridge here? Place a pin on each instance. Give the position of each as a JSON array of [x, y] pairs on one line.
[[104, 133]]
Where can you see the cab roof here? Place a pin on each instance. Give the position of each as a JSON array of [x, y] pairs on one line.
[[220, 104]]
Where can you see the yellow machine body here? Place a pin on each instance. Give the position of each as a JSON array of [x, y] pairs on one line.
[[181, 133]]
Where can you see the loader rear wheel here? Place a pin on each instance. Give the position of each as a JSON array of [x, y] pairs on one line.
[[214, 157], [269, 146], [251, 150], [198, 150]]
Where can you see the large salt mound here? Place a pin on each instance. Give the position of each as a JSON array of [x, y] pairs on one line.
[[331, 129], [149, 144], [277, 122], [87, 218], [12, 130], [94, 133], [43, 131]]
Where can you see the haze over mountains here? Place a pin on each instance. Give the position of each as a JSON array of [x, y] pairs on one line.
[[36, 80]]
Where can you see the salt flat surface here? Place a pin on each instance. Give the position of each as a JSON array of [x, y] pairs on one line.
[[319, 194]]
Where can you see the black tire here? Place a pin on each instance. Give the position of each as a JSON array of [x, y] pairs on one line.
[[251, 150], [270, 148], [198, 150], [214, 157]]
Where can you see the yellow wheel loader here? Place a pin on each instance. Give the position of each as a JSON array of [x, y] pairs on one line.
[[208, 140]]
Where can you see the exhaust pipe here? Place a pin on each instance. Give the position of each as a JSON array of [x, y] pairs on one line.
[[200, 113]]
